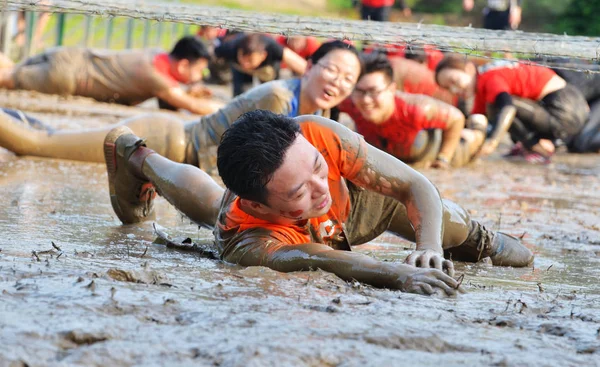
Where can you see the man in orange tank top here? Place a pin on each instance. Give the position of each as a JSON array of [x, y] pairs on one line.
[[300, 193]]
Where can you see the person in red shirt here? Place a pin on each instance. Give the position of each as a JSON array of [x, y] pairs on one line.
[[126, 77], [379, 10], [301, 45], [426, 54], [547, 108], [413, 77], [401, 123], [300, 193]]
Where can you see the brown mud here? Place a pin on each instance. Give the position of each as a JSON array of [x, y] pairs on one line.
[[104, 294]]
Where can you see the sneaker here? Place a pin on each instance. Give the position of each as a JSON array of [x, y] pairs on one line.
[[536, 158], [131, 195], [517, 150], [503, 249]]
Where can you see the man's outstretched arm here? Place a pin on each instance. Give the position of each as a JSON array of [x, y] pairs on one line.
[[179, 98], [346, 265]]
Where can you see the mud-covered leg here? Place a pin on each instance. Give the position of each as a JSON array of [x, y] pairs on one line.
[[468, 240], [191, 190], [588, 140], [136, 174], [165, 134]]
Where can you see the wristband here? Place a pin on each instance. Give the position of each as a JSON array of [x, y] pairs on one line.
[[442, 159]]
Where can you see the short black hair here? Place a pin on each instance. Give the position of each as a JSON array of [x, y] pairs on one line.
[[252, 149], [451, 62], [327, 47], [416, 53], [190, 48], [377, 62], [251, 43]]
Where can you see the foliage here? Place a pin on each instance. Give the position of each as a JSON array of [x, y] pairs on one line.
[[581, 18]]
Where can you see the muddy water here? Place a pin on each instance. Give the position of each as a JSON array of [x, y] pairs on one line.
[[106, 295]]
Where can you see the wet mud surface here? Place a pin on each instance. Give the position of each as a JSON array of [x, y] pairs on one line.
[[78, 288]]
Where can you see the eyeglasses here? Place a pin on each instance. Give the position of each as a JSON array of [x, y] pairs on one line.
[[332, 73], [370, 93]]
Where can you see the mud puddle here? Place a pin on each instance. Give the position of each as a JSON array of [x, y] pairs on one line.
[[104, 294]]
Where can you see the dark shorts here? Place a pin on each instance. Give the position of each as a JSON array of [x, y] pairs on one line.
[[496, 20], [569, 109], [379, 14]]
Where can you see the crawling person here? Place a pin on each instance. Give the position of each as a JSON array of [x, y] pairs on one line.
[[126, 77], [404, 124], [256, 55], [330, 76], [547, 107], [301, 192], [588, 139]]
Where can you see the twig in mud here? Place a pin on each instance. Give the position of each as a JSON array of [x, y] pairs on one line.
[[185, 245], [33, 253], [508, 304], [550, 267], [459, 280], [55, 246], [540, 287]]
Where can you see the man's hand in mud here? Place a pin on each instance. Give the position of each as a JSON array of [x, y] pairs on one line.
[[488, 148], [430, 259], [198, 90], [440, 164], [430, 281]]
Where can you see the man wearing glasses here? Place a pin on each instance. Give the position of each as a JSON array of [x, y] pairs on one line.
[[414, 128], [330, 77]]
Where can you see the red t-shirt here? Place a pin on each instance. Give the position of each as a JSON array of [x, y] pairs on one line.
[[312, 44], [516, 79], [397, 135], [163, 67], [415, 78], [236, 226], [432, 54], [378, 3]]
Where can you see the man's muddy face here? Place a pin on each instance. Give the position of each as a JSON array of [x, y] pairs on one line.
[[456, 81], [189, 73], [374, 96], [251, 61], [332, 78], [299, 188]]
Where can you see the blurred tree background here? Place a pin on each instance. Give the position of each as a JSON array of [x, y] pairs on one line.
[[573, 17]]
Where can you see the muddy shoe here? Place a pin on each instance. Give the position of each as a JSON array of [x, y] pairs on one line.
[[503, 249], [131, 196]]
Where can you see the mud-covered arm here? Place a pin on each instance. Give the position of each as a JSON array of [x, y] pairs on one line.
[[295, 62], [378, 171], [346, 265], [179, 98], [450, 119], [502, 121]]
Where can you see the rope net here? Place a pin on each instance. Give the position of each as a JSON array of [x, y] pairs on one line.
[[544, 48]]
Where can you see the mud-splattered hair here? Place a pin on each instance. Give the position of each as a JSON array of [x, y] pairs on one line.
[[377, 62], [252, 149], [451, 62]]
